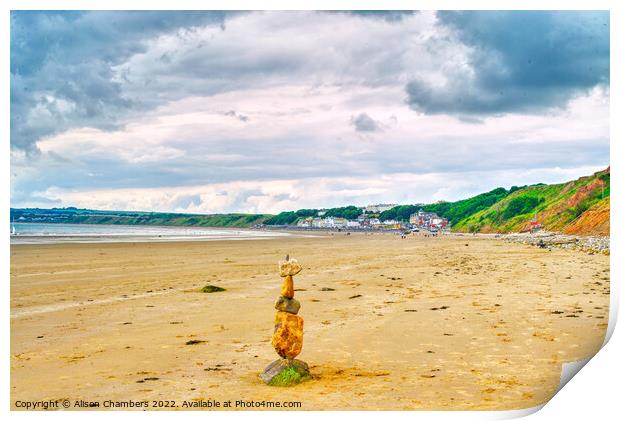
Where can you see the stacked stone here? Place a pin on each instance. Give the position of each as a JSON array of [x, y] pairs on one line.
[[288, 333]]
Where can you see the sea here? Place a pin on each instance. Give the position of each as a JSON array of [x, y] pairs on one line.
[[45, 233]]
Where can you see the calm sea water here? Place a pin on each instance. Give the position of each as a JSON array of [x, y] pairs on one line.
[[32, 233]]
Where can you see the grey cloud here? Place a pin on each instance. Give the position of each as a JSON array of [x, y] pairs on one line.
[[76, 69], [523, 61], [364, 123], [211, 63], [26, 196], [62, 67], [387, 15], [240, 199], [185, 201], [241, 117], [470, 120]]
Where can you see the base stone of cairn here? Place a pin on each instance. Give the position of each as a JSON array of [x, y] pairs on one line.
[[285, 372], [288, 333]]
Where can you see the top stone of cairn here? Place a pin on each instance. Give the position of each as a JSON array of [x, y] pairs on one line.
[[289, 267]]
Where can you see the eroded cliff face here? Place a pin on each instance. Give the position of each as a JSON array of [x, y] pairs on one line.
[[594, 221], [579, 207]]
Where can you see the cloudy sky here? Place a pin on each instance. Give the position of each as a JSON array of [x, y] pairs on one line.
[[267, 111]]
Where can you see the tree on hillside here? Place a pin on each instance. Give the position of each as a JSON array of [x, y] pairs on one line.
[[399, 213], [348, 212]]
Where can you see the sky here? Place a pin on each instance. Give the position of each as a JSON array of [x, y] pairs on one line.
[[261, 112]]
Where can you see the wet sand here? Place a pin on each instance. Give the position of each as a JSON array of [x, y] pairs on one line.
[[416, 323]]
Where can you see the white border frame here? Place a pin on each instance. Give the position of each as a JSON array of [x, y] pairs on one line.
[[576, 399]]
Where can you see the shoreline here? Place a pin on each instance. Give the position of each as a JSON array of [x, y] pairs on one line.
[[166, 234], [543, 239]]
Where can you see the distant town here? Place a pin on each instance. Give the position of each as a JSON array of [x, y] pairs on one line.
[[369, 220]]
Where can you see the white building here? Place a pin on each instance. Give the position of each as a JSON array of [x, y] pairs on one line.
[[333, 222], [319, 223], [353, 224], [381, 207]]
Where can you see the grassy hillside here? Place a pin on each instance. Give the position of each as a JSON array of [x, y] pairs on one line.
[[224, 220], [577, 207], [454, 211], [460, 210], [87, 216]]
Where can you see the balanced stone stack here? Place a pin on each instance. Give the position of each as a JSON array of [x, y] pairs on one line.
[[288, 334]]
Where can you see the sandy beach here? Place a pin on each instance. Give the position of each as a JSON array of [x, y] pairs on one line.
[[416, 323]]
